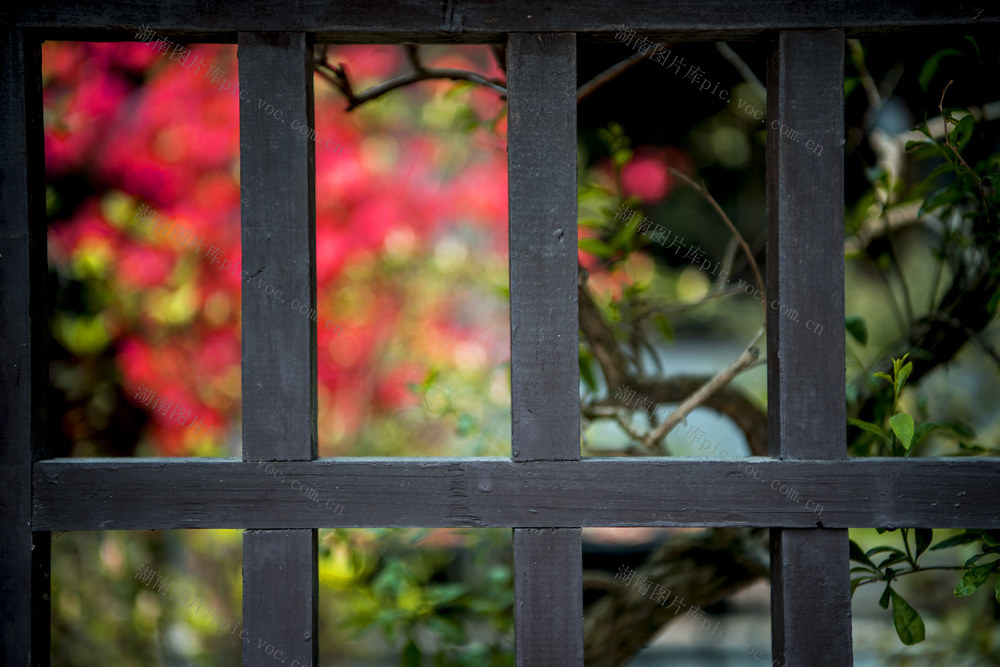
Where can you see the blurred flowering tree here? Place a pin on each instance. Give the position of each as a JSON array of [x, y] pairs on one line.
[[411, 263], [127, 126]]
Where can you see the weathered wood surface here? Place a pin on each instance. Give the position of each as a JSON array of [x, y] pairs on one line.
[[548, 597], [218, 493], [544, 338], [24, 556], [476, 21], [283, 618], [278, 230], [544, 322], [810, 577]]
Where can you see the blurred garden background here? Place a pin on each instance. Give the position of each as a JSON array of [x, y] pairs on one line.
[[411, 261]]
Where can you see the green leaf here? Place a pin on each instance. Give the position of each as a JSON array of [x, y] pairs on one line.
[[857, 328], [915, 144], [892, 560], [972, 561], [902, 426], [882, 549], [868, 426], [445, 593], [998, 589], [926, 150], [924, 537], [991, 307], [596, 247], [964, 538], [448, 628], [959, 428], [930, 67], [663, 324], [857, 582], [850, 83], [923, 431], [963, 132], [884, 600], [898, 363], [973, 579], [884, 376], [901, 376], [941, 198], [411, 655], [856, 554], [943, 168], [909, 626], [621, 157]]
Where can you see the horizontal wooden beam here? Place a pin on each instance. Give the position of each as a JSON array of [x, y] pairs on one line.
[[129, 494], [362, 21]]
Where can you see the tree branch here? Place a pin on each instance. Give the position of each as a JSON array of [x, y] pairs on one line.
[[698, 568], [725, 218], [601, 338], [734, 59], [610, 74], [745, 360], [338, 77]]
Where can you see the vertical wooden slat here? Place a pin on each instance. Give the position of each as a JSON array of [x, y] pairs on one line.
[[541, 147], [548, 596], [280, 597], [544, 322], [811, 603], [24, 556], [278, 218]]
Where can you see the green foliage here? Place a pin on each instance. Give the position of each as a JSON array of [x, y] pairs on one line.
[[960, 185], [900, 423], [102, 614], [448, 601], [909, 626], [897, 563], [857, 328], [903, 435]]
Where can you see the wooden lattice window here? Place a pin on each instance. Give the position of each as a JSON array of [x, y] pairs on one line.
[[544, 491]]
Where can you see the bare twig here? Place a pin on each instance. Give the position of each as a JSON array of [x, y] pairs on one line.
[[741, 67], [719, 292], [958, 154], [867, 81], [599, 335], [725, 218], [601, 580], [936, 126], [727, 262], [744, 361], [975, 335], [338, 77], [610, 74], [894, 218]]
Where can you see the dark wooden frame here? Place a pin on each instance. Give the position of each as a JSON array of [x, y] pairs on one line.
[[545, 492]]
